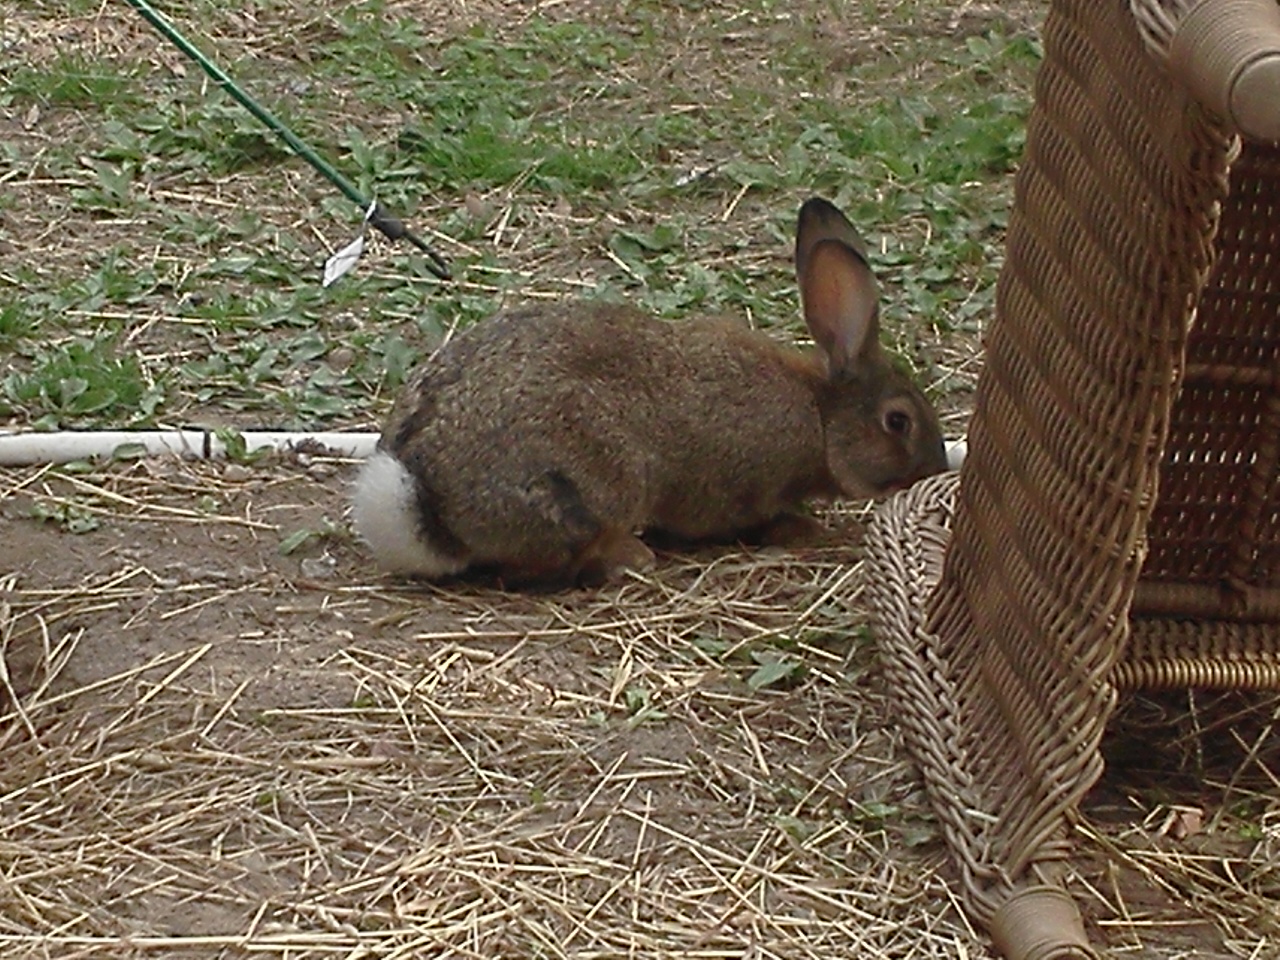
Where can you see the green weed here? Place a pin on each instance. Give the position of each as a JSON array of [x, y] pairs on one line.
[[72, 80], [325, 531], [641, 706], [84, 379], [69, 516], [645, 157], [16, 322]]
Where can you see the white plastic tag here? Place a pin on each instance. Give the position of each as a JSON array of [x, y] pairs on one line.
[[341, 263]]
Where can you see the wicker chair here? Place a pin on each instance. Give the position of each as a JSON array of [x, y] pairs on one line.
[[1116, 522]]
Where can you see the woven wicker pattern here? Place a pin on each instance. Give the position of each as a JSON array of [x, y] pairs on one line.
[[1108, 249], [1207, 607], [1214, 554], [1007, 685]]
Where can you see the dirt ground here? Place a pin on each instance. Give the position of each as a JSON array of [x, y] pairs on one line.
[[250, 750], [226, 745], [224, 734]]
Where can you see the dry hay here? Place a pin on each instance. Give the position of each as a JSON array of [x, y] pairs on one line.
[[293, 762], [210, 749], [450, 772]]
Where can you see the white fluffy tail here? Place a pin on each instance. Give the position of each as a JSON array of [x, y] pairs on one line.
[[385, 512]]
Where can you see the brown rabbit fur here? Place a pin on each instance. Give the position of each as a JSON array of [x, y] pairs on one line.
[[541, 442]]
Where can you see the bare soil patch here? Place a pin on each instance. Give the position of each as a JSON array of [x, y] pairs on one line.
[[215, 748], [222, 734], [251, 752]]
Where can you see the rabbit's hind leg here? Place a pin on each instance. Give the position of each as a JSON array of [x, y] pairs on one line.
[[610, 555], [590, 563], [551, 538]]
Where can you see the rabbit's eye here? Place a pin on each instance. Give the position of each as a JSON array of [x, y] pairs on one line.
[[897, 422]]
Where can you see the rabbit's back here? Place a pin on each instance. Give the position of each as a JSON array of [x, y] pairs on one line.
[[549, 418], [540, 441]]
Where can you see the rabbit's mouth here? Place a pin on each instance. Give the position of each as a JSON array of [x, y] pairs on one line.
[[890, 487], [866, 488]]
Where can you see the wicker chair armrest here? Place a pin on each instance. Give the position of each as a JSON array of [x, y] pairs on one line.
[[1226, 52]]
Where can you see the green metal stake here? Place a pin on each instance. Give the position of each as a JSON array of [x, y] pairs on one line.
[[390, 226]]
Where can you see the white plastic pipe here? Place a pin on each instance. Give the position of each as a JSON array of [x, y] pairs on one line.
[[29, 448]]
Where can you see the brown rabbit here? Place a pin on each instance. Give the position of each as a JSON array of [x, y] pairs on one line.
[[540, 443]]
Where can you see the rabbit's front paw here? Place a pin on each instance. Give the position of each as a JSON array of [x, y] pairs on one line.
[[790, 530]]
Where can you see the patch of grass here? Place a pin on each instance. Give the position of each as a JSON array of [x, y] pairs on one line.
[[66, 8], [69, 516], [84, 379], [16, 323], [657, 156], [520, 120], [214, 138], [111, 188], [74, 80], [43, 309]]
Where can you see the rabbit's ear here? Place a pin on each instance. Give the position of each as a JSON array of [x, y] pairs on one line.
[[838, 290], [820, 220], [841, 304]]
